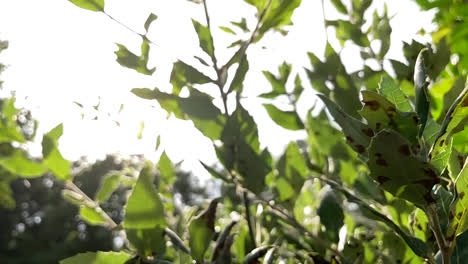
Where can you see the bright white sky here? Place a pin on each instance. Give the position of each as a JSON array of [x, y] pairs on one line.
[[60, 53]]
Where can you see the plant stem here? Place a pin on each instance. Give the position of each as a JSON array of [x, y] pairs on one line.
[[434, 223], [249, 218], [128, 28]]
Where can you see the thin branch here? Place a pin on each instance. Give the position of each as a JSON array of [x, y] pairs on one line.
[[324, 20], [129, 28], [249, 218], [434, 223]]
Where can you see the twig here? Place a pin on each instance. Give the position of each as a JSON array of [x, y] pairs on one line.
[[249, 218], [129, 29], [324, 20], [434, 223]]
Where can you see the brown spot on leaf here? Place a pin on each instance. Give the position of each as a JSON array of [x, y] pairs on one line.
[[461, 160], [378, 125], [461, 195], [464, 103], [428, 183], [373, 105], [418, 226], [459, 215], [382, 179], [442, 142], [350, 139], [429, 172], [378, 154], [404, 149], [450, 216], [368, 132], [316, 133], [415, 119], [381, 162], [360, 148], [451, 238]]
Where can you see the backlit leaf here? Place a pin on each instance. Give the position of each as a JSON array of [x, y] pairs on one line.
[[93, 5], [183, 74], [109, 184], [204, 37], [201, 230], [97, 258], [128, 59], [393, 93], [53, 160], [18, 163], [286, 119], [152, 17], [92, 215]]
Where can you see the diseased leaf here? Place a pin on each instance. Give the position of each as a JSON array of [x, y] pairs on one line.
[[394, 94], [458, 213], [92, 5], [144, 209], [286, 119], [398, 171], [97, 258], [358, 135], [53, 160]]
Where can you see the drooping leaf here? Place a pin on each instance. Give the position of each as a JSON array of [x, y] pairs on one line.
[[53, 160], [183, 74], [286, 119], [204, 37], [331, 214], [201, 230], [151, 17], [394, 94], [144, 209], [227, 30], [97, 258], [109, 184], [92, 5], [128, 59], [198, 107], [398, 171], [357, 133]]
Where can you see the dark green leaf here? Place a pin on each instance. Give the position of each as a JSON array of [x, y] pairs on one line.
[[420, 87], [223, 244], [398, 171], [152, 17], [357, 133], [147, 241], [331, 214], [201, 230], [237, 82], [144, 209], [340, 7], [286, 119], [93, 5], [97, 258], [53, 160], [255, 254], [241, 24]]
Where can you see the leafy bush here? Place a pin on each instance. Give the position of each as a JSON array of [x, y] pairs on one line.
[[387, 186]]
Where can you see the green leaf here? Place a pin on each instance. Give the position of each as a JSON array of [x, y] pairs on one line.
[[222, 249], [460, 252], [455, 121], [340, 7], [298, 88], [241, 24], [277, 84], [9, 130], [18, 163], [228, 30], [128, 59], [278, 15], [147, 241], [331, 214], [398, 170], [357, 133], [92, 215], [53, 160], [381, 113], [109, 184], [255, 254], [93, 5], [394, 94], [292, 172], [198, 107], [345, 30], [201, 230], [144, 209], [237, 82], [214, 173], [183, 74], [286, 119], [204, 37], [167, 171], [97, 258], [152, 17], [458, 214]]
